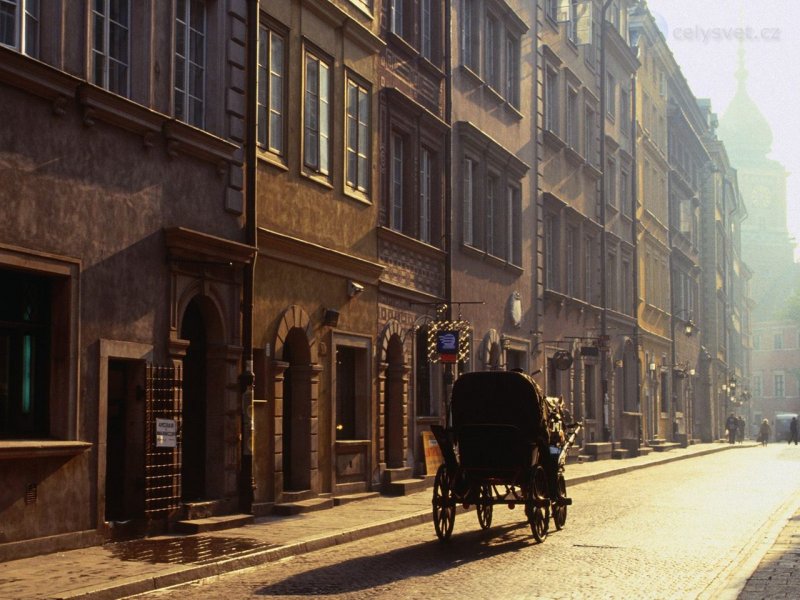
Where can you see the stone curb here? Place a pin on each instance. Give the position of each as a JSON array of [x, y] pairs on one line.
[[181, 575]]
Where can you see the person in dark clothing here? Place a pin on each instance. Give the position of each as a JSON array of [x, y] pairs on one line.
[[764, 432], [731, 424], [793, 431]]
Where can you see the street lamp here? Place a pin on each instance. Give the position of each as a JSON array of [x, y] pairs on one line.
[[689, 325]]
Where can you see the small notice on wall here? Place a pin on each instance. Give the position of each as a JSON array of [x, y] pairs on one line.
[[166, 433], [433, 454]]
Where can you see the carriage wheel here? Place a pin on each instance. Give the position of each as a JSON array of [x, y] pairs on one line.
[[444, 505], [484, 507], [537, 506], [560, 510]]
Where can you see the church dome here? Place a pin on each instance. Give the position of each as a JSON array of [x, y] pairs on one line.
[[743, 128]]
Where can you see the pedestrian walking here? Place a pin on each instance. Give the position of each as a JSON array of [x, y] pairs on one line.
[[740, 427], [764, 432], [793, 431], [731, 425]]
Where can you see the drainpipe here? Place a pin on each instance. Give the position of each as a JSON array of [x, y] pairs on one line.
[[635, 238], [448, 374], [247, 377], [604, 343]]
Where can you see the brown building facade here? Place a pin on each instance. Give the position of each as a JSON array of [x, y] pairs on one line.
[[121, 261]]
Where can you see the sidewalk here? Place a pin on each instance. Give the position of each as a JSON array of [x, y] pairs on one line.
[[126, 568]]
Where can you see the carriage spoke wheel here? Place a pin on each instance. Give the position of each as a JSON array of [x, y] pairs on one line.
[[484, 507], [537, 505], [560, 510], [444, 505]]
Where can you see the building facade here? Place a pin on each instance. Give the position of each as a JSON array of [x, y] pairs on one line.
[[121, 259]]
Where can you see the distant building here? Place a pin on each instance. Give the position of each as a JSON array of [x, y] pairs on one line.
[[774, 385]]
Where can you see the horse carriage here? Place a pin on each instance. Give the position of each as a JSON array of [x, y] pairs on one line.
[[507, 445]]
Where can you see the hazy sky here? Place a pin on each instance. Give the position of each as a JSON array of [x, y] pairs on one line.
[[703, 37]]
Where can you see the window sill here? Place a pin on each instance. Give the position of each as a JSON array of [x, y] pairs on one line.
[[358, 196], [320, 180], [472, 75], [493, 93], [515, 112], [573, 156], [552, 139], [592, 170], [13, 449], [272, 160]]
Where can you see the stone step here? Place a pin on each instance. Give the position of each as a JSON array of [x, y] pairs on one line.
[[644, 450], [664, 446], [621, 453], [404, 487], [397, 474], [582, 458], [217, 523], [347, 498], [301, 506], [202, 509]]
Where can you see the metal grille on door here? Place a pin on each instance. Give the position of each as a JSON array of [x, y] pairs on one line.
[[162, 441]]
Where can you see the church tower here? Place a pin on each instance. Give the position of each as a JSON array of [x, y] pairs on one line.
[[774, 382]]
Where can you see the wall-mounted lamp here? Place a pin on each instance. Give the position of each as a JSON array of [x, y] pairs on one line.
[[618, 363], [331, 317], [688, 328], [651, 366], [354, 288], [692, 372]]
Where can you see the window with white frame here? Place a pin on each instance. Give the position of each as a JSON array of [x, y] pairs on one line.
[[551, 100], [317, 115], [470, 20], [271, 91], [111, 45], [779, 380], [357, 134], [396, 184], [425, 194], [397, 16], [190, 62], [19, 26]]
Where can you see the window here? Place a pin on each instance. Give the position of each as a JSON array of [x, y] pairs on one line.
[[758, 387], [589, 135], [271, 89], [111, 45], [492, 52], [588, 391], [426, 29], [352, 407], [756, 342], [780, 385], [190, 61], [612, 283], [551, 100], [469, 34], [317, 115], [19, 25], [493, 218], [624, 111], [512, 71], [777, 341], [625, 193], [470, 198], [358, 134], [611, 182], [572, 25], [551, 252], [425, 195], [397, 17], [396, 190], [573, 118], [572, 261], [427, 388], [25, 339], [588, 270], [551, 9], [611, 95], [626, 281], [514, 225]]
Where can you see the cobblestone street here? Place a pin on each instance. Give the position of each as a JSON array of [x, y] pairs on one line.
[[683, 530]]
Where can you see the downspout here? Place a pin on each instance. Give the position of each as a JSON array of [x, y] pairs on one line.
[[448, 374], [604, 342], [247, 377], [635, 237]]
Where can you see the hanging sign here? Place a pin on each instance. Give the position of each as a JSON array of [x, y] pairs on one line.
[[447, 345]]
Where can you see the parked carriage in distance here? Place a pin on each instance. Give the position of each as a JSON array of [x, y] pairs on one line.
[[507, 445]]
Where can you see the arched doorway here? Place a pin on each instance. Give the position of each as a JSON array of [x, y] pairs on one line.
[[296, 419], [395, 401], [195, 404]]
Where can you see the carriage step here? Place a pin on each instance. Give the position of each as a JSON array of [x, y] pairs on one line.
[[301, 506], [213, 523], [404, 487], [347, 498]]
